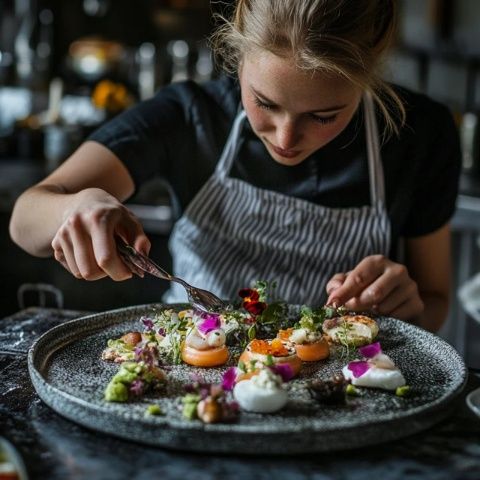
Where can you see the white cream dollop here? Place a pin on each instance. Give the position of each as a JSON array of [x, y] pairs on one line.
[[382, 374], [263, 393]]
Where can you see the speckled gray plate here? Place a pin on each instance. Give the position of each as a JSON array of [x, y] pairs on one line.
[[67, 371]]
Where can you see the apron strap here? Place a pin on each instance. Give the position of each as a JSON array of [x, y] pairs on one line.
[[231, 147], [375, 167]]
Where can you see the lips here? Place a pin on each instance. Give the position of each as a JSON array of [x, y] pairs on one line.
[[285, 153], [280, 151]]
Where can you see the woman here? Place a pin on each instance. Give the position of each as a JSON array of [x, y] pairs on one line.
[[323, 168]]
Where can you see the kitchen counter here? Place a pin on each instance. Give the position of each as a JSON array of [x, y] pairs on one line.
[[55, 448]]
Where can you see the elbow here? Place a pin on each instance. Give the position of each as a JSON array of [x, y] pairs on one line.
[[21, 236], [14, 229]]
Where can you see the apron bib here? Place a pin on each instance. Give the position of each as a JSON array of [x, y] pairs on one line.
[[233, 233]]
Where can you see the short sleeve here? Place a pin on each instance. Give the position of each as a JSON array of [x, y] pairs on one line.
[[436, 173], [145, 136]]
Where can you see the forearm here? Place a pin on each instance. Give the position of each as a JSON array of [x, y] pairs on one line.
[[435, 311], [38, 214]]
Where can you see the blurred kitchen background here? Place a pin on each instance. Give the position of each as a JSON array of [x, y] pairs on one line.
[[68, 66]]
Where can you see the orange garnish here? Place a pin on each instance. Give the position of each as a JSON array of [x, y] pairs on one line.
[[275, 348], [260, 346], [285, 334]]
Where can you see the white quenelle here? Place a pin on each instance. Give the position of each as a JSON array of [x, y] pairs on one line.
[[382, 374], [263, 393]]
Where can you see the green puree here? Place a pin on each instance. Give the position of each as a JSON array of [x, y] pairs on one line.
[[117, 389]]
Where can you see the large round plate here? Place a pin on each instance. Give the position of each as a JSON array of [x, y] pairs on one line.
[[67, 372]]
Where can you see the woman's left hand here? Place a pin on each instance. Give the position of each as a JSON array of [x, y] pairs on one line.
[[379, 285]]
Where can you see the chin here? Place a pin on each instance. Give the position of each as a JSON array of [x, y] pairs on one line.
[[289, 162]]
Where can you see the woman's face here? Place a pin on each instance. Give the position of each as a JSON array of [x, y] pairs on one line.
[[294, 112]]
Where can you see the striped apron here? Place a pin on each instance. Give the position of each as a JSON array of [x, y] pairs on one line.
[[233, 233]]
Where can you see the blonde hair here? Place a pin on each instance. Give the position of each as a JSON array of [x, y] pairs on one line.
[[342, 37]]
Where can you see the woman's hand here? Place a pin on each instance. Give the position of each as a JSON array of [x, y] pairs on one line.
[[377, 284], [85, 242]]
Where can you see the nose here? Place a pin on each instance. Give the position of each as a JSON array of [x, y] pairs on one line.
[[287, 134]]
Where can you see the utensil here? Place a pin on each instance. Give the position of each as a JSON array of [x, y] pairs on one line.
[[138, 263]]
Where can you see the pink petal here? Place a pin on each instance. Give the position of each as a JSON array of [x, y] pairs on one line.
[[285, 370], [358, 367], [228, 380], [209, 323], [369, 351]]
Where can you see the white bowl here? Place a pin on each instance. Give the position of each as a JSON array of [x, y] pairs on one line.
[[473, 401]]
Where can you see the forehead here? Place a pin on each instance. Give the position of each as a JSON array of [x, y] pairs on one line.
[[281, 81]]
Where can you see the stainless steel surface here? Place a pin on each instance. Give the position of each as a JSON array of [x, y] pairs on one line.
[[137, 262]]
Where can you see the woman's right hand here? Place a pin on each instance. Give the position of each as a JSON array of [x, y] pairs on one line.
[[85, 242]]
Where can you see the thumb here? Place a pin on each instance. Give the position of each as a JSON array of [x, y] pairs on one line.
[[142, 244]]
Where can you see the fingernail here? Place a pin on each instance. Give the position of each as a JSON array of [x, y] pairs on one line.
[[334, 302]]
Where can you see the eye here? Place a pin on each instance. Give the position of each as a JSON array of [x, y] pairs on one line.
[[265, 106], [324, 120]]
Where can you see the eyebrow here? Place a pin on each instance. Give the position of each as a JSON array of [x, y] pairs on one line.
[[332, 108]]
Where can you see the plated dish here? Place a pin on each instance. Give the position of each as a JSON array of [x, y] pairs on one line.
[[312, 408]]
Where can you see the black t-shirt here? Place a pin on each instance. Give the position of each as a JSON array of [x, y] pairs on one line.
[[180, 133]]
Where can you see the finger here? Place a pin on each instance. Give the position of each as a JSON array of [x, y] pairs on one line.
[[397, 297], [365, 273], [335, 282], [60, 258], [382, 287], [355, 305], [106, 255], [67, 249], [84, 256], [142, 244], [135, 235]]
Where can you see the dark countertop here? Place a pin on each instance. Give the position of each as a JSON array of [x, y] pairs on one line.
[[55, 448]]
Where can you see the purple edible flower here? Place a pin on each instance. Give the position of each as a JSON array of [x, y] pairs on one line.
[[161, 332], [358, 367], [284, 370], [137, 386], [148, 323], [370, 351], [148, 355], [209, 322], [228, 380]]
